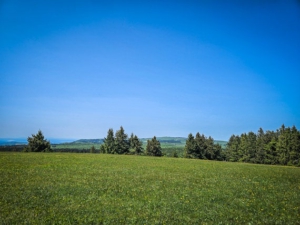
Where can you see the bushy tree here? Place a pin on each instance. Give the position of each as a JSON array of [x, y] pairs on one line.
[[153, 147], [38, 143]]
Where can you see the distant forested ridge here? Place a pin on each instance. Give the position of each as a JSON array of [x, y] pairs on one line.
[[265, 147]]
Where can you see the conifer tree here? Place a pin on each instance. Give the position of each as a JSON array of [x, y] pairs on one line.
[[189, 148], [153, 147], [295, 147], [260, 146], [232, 148], [200, 148], [38, 143], [109, 142], [121, 142], [209, 152]]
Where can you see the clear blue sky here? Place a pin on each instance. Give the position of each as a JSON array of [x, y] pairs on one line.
[[74, 69]]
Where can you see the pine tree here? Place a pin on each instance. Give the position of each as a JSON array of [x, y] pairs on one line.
[[295, 147], [109, 142], [282, 145], [200, 148], [232, 148], [271, 139], [242, 149], [121, 142], [153, 147], [38, 143], [135, 144], [209, 153], [251, 147], [260, 146], [218, 152], [189, 148]]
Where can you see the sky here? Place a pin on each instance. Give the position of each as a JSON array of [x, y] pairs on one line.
[[74, 69]]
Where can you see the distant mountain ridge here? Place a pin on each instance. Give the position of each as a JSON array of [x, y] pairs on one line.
[[179, 141], [88, 141]]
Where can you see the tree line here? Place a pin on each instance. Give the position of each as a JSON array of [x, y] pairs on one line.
[[201, 147], [264, 147], [119, 143]]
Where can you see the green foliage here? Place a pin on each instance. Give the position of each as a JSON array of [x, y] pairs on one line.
[[115, 189], [121, 142], [280, 147], [109, 142], [37, 143], [190, 147], [153, 147], [202, 148], [136, 145]]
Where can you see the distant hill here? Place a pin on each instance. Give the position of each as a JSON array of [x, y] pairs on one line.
[[165, 141], [88, 141]]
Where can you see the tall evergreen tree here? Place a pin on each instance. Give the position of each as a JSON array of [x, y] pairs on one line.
[[121, 142], [189, 148], [209, 153], [232, 148], [243, 148], [282, 146], [251, 147], [200, 148], [218, 152], [38, 143], [260, 146], [135, 144], [295, 147], [271, 139], [109, 142], [153, 147]]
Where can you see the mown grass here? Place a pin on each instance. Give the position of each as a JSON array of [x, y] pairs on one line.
[[70, 188]]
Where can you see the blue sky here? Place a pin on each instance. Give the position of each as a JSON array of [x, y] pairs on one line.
[[74, 69]]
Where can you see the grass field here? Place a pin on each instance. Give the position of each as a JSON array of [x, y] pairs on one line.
[[70, 188]]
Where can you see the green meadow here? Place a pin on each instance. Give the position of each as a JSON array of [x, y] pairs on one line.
[[72, 188]]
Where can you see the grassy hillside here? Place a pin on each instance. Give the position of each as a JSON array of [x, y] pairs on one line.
[[37, 188]]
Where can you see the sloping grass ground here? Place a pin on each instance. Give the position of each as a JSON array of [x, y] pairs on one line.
[[70, 188]]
